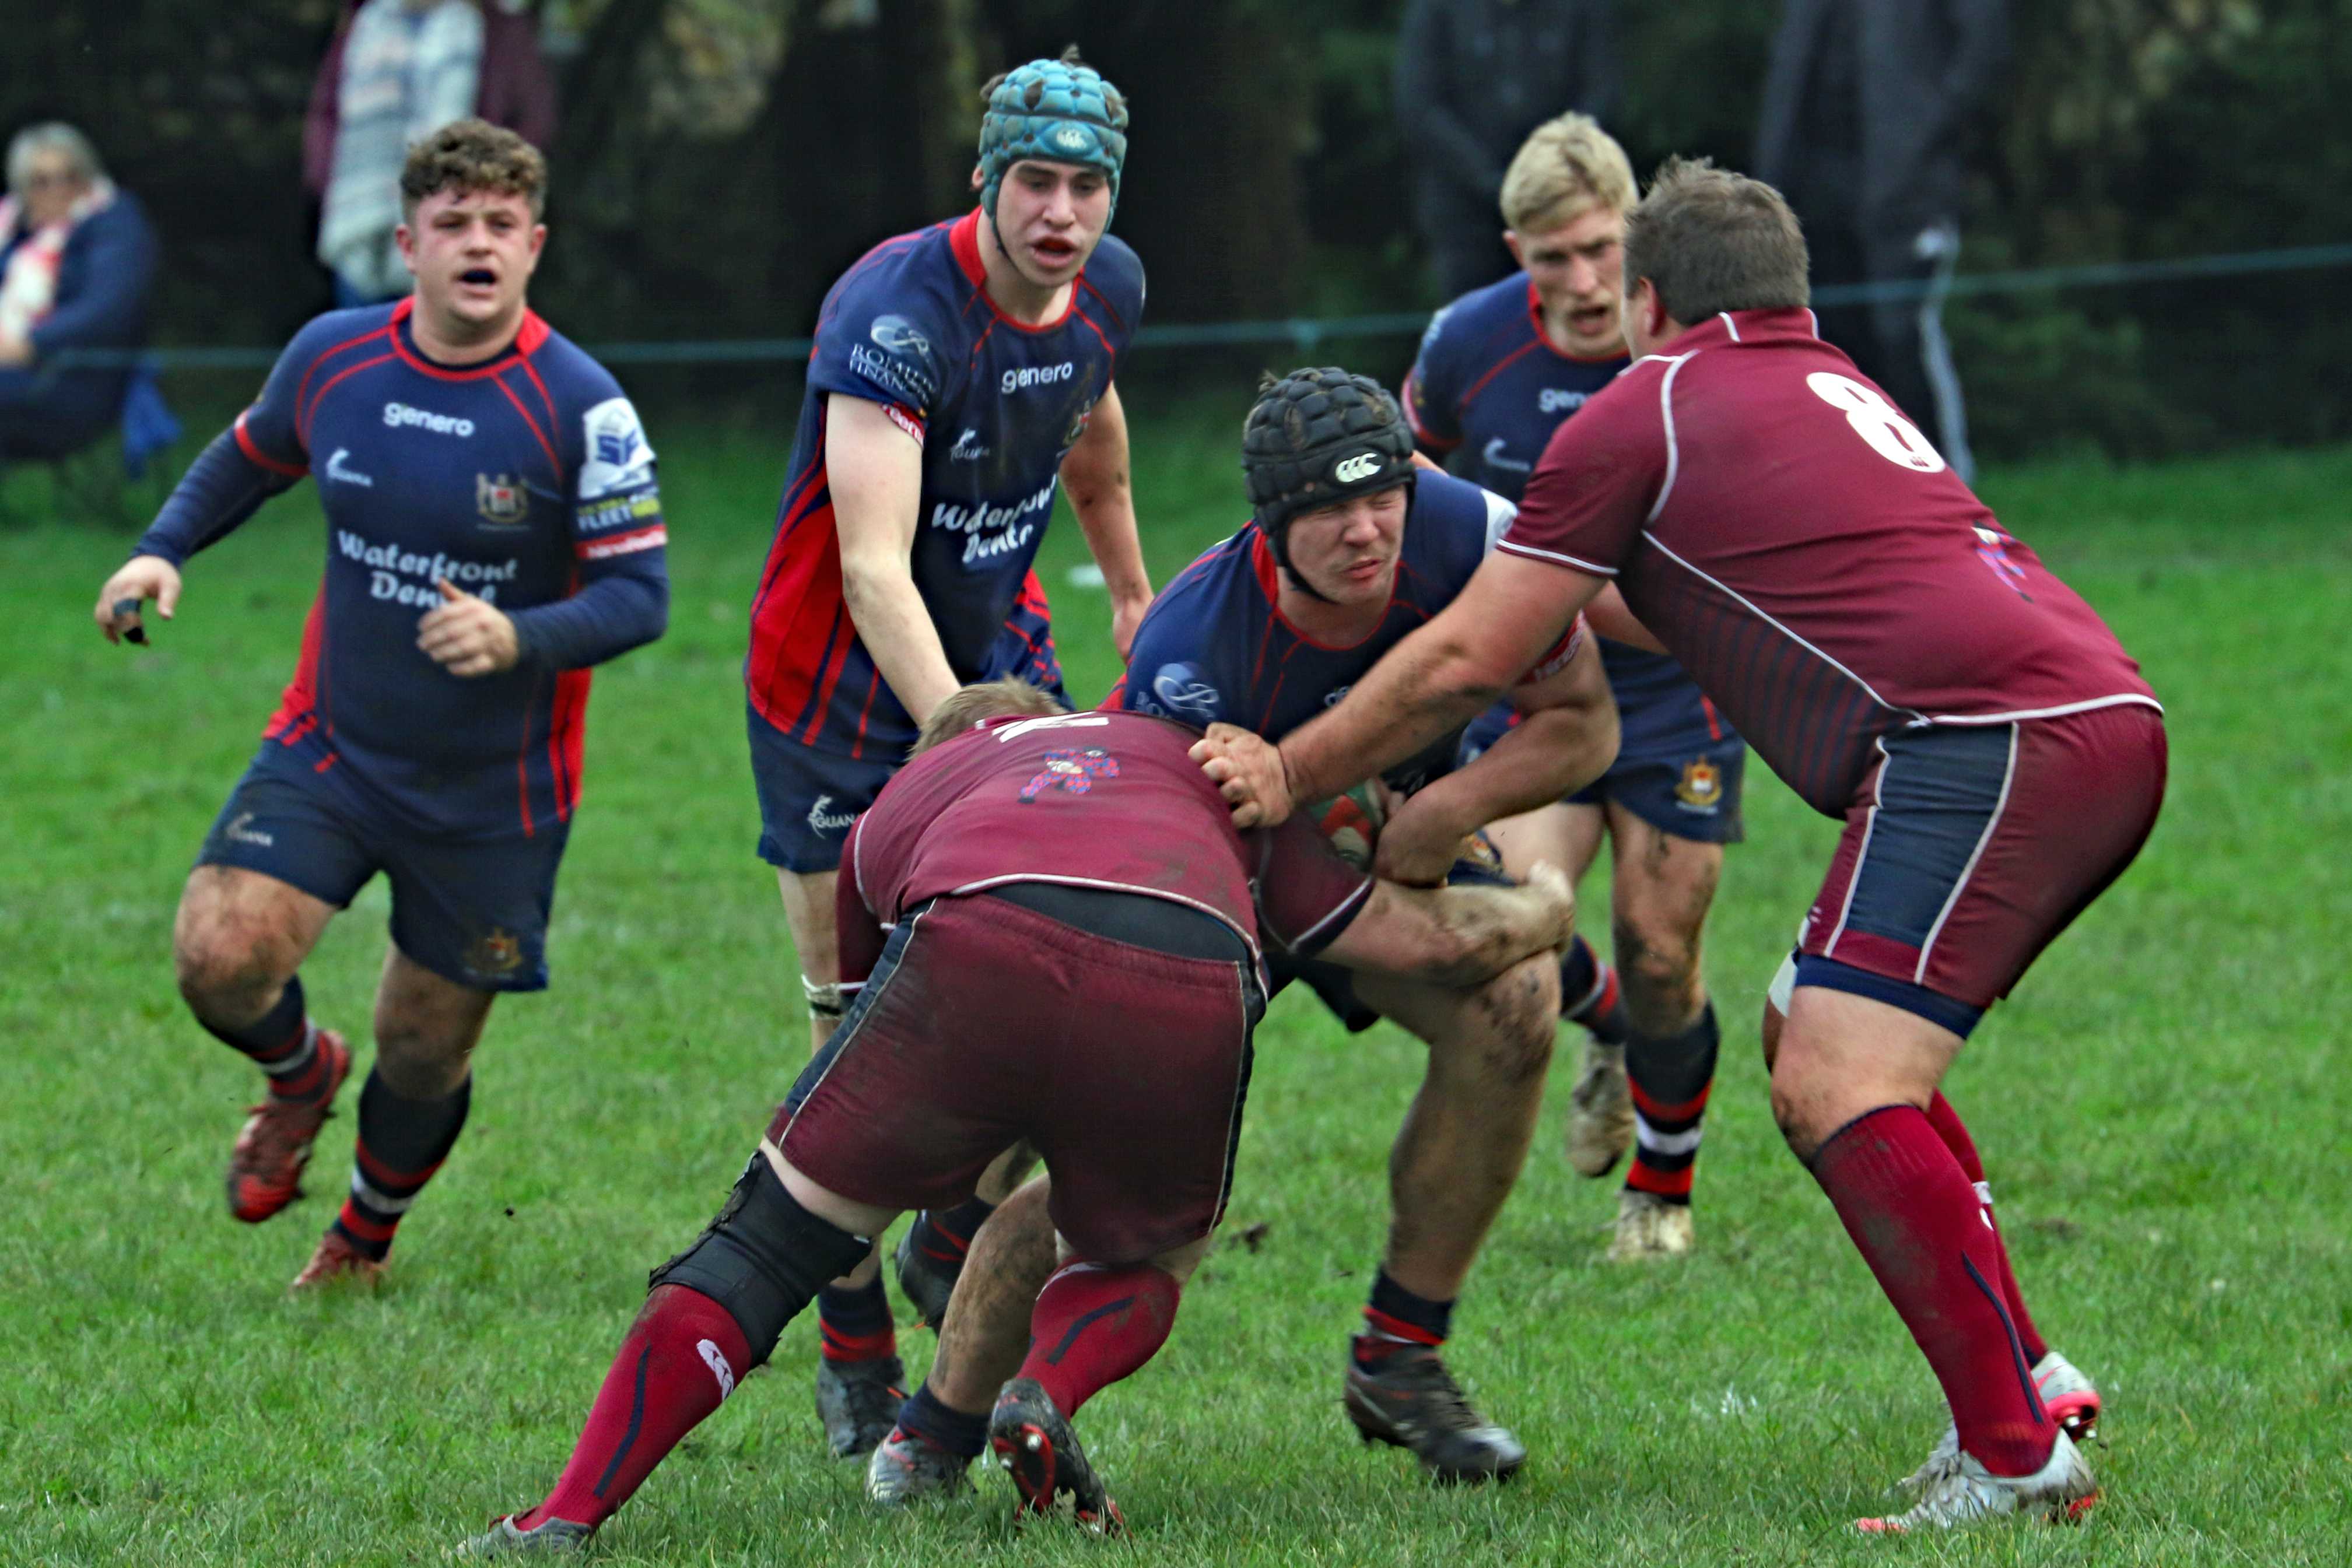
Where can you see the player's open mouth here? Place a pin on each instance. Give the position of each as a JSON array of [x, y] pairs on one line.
[[1591, 320], [1053, 252], [479, 278]]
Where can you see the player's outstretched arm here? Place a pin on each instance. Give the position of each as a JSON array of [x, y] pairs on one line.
[[1566, 738], [1457, 936], [875, 470], [1102, 495]]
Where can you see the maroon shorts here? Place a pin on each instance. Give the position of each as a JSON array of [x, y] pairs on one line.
[[1973, 846], [987, 1022]]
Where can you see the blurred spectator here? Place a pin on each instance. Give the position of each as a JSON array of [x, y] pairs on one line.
[[76, 261], [1867, 104], [399, 70], [1473, 79]]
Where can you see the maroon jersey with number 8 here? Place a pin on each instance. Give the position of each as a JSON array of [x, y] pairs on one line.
[[1808, 555]]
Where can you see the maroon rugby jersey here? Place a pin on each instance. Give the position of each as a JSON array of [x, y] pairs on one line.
[[1806, 554], [1107, 800]]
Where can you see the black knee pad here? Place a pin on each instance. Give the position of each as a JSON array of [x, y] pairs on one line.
[[763, 1258]]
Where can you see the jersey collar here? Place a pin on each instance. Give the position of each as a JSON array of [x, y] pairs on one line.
[[964, 240], [1269, 581], [527, 340], [1796, 325]]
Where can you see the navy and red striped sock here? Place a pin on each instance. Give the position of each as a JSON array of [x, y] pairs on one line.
[[283, 1042], [857, 1323], [1671, 1078], [945, 1236], [683, 1356], [1093, 1324], [926, 1418], [1954, 1133], [1395, 1319], [402, 1143], [1914, 1216], [1590, 995]]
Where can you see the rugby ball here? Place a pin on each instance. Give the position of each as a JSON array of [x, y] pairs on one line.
[[1351, 822]]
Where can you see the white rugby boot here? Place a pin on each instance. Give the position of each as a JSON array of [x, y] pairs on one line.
[[1962, 1491], [2071, 1399], [1648, 1227]]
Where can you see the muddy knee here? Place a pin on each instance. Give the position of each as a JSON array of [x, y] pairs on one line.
[[226, 976], [1518, 1014], [1660, 972]]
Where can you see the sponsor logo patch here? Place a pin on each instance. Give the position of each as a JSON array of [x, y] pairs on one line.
[[1493, 456], [968, 447], [619, 457], [1555, 399], [241, 830], [620, 512], [897, 335], [907, 378], [1361, 466], [1070, 139], [399, 415], [1182, 691], [405, 576], [820, 821], [1071, 772], [714, 1359], [1029, 376], [991, 532]]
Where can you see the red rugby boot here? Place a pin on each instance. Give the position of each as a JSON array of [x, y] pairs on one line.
[[265, 1168], [337, 1258]]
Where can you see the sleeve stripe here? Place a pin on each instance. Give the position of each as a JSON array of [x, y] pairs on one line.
[[630, 543], [1568, 560], [1344, 912], [260, 459]]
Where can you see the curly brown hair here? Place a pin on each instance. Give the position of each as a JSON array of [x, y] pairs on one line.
[[470, 155]]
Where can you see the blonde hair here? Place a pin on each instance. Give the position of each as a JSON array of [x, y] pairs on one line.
[[1565, 167], [968, 706]]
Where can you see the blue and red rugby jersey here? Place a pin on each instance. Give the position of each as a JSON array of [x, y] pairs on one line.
[[996, 405], [1486, 392], [526, 480], [1215, 646]]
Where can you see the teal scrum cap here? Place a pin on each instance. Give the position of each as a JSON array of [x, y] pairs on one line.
[[1058, 110]]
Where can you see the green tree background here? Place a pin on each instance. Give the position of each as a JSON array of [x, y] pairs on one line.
[[721, 161]]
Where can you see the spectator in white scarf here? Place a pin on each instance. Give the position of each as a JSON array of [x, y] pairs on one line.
[[76, 262]]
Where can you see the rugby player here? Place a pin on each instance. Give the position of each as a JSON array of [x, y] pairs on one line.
[[962, 375], [1499, 369], [1073, 881], [493, 529], [1350, 547], [1906, 666]]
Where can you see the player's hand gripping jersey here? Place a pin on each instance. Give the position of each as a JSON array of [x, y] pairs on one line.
[[996, 407], [1809, 556], [1111, 802], [1214, 646], [524, 480]]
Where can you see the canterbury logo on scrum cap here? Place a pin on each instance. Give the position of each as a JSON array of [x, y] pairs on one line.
[[1363, 465]]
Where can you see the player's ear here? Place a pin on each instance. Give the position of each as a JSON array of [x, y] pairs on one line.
[[978, 179], [405, 238], [1511, 242]]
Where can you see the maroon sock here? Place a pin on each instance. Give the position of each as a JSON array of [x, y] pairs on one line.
[[1954, 1133], [682, 1356], [1093, 1325], [1915, 1217]]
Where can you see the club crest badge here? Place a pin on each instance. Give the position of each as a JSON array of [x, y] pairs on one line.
[[501, 499], [1701, 788], [498, 953], [1071, 772]]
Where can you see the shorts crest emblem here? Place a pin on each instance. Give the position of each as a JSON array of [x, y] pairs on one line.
[[1702, 785], [498, 952]]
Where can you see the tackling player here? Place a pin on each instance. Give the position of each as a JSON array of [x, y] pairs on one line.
[[1498, 371], [1351, 547], [1906, 664], [493, 529], [1075, 882], [962, 376]]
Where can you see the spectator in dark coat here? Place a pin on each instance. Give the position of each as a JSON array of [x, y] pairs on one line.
[[1868, 105], [76, 262], [1473, 79], [397, 71]]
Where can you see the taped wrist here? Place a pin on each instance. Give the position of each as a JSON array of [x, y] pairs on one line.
[[763, 1258], [827, 1001]]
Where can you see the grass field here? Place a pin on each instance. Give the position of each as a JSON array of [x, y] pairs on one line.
[[2163, 1106]]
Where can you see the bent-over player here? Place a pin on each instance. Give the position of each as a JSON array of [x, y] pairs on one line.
[[1076, 884], [493, 529], [1499, 369], [962, 375], [1900, 660]]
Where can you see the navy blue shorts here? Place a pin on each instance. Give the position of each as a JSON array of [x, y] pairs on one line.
[[1679, 765], [474, 912]]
